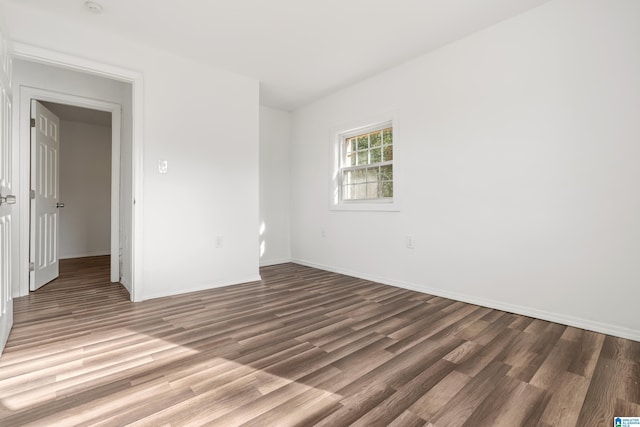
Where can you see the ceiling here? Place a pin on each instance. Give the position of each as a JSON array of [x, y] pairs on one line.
[[78, 114], [300, 50]]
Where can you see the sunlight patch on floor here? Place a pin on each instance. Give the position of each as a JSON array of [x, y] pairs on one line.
[[37, 381]]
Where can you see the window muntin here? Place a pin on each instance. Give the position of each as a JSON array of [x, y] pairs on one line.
[[366, 165]]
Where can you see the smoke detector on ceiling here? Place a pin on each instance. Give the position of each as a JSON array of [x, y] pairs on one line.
[[93, 7]]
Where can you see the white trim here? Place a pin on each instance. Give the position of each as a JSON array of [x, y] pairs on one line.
[[604, 328], [41, 55], [116, 120], [203, 287], [269, 262], [86, 255], [26, 95], [337, 135], [368, 128], [126, 285], [137, 284], [50, 57]]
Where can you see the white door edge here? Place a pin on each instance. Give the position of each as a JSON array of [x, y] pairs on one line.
[[9, 220], [45, 180]]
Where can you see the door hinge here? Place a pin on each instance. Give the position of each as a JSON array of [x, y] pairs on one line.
[[33, 123], [32, 266], [32, 194]]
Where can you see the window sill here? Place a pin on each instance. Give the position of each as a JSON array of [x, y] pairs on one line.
[[373, 207]]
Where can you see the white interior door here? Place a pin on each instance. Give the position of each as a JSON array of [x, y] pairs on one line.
[[45, 158], [8, 210]]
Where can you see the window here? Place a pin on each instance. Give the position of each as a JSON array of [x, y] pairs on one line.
[[366, 165]]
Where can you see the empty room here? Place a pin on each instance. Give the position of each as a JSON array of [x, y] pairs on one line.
[[286, 213]]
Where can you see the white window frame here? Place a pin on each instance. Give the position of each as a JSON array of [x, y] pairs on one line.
[[338, 136]]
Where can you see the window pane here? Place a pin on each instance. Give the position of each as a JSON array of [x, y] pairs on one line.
[[361, 191], [363, 142], [360, 176], [372, 190], [387, 189], [386, 173], [388, 153], [363, 157], [349, 152], [387, 136], [372, 175], [348, 192], [376, 139], [348, 177], [348, 146], [352, 144], [376, 155]]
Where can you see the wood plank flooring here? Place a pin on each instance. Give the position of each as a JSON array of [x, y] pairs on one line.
[[301, 347]]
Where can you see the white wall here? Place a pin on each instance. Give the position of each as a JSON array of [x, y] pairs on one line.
[[204, 122], [275, 178], [518, 151], [85, 189]]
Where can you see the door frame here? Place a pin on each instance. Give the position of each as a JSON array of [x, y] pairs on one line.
[[49, 57], [27, 94]]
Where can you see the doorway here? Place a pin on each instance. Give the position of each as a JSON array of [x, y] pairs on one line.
[[131, 168], [71, 105], [80, 191]]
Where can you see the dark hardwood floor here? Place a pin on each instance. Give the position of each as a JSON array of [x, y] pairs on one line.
[[301, 347]]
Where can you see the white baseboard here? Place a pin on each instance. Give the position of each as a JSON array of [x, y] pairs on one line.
[[85, 255], [204, 287], [604, 328], [126, 284], [269, 262]]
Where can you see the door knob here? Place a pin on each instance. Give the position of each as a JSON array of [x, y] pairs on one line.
[[10, 200], [59, 205]]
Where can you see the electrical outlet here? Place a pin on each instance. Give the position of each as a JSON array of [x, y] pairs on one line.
[[163, 166], [219, 242], [323, 232], [411, 243]]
